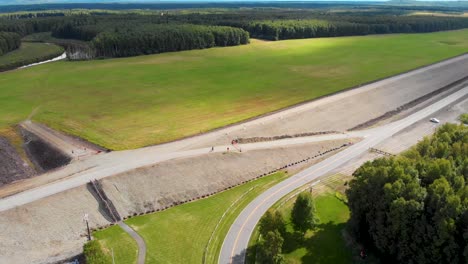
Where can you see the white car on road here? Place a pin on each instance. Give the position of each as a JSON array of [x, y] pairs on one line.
[[435, 120]]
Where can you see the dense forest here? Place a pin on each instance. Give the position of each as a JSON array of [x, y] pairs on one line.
[[117, 34], [413, 208], [350, 26], [9, 41], [151, 39]]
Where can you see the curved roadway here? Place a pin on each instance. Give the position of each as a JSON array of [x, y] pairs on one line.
[[237, 239]]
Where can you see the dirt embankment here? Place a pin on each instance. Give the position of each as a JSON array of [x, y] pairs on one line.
[[12, 166], [44, 156], [52, 228], [169, 183], [452, 86]]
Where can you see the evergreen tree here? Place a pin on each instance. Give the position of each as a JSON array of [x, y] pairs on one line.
[[271, 247], [271, 222], [303, 215]]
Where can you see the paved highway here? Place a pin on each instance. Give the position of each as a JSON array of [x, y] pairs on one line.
[[237, 239]]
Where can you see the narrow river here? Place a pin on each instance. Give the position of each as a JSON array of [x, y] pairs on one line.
[[61, 57]]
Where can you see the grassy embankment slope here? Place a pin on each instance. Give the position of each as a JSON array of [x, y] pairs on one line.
[[134, 102], [180, 234], [28, 53]]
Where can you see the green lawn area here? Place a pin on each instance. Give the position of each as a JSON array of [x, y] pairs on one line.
[[325, 244], [181, 233], [117, 240], [28, 53], [133, 102]]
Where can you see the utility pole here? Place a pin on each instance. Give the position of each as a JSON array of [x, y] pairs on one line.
[[86, 220]]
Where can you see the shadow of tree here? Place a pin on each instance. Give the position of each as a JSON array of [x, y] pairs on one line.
[[293, 241], [326, 245], [246, 256]]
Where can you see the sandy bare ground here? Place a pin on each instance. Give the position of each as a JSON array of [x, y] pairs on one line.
[[12, 166]]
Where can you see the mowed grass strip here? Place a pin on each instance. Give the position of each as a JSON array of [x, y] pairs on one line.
[[115, 239], [180, 234], [133, 102], [28, 53]]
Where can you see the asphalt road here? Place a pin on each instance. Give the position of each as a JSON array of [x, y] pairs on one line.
[[140, 242], [237, 239]]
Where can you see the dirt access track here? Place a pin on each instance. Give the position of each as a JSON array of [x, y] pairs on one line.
[[168, 171]]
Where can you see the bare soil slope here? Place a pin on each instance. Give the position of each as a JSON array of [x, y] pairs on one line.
[[49, 229], [12, 166], [168, 183]]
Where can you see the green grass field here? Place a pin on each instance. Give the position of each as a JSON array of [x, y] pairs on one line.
[[180, 234], [325, 244], [28, 53], [134, 102], [114, 239]]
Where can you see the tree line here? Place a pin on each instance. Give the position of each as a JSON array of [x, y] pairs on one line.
[[9, 41], [163, 38], [413, 208], [128, 34], [347, 26], [134, 39]]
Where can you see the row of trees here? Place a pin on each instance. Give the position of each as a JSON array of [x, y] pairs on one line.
[[9, 41], [349, 26], [164, 38], [414, 208], [272, 228], [116, 35], [25, 27]]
